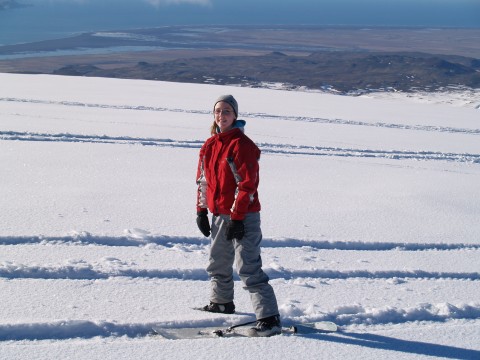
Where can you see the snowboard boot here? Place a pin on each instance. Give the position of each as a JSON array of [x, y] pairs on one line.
[[266, 327], [227, 308]]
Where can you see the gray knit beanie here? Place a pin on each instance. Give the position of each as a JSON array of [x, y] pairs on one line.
[[229, 99]]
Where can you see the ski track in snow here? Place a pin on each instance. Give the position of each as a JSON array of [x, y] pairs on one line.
[[283, 149], [85, 238], [247, 114], [68, 329], [88, 272]]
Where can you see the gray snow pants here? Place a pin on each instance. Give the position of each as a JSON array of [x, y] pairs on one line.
[[248, 262]]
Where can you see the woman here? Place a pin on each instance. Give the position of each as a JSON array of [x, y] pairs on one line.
[[227, 179]]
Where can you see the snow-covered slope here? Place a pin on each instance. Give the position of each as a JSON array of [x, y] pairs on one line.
[[370, 219]]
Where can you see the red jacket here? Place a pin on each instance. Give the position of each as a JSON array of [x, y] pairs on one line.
[[227, 175]]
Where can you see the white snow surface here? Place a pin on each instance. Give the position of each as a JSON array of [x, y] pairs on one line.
[[370, 216]]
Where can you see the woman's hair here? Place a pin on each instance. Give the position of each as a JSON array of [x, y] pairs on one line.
[[213, 128]]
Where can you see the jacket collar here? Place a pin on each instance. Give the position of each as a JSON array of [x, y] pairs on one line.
[[228, 135]]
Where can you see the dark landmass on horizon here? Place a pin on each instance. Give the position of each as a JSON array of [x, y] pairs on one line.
[[340, 59]]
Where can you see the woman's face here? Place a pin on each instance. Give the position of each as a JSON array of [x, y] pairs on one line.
[[224, 116]]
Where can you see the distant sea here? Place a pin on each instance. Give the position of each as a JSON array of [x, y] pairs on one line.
[[53, 19], [57, 19]]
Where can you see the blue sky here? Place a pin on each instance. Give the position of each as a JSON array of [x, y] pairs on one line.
[[53, 17]]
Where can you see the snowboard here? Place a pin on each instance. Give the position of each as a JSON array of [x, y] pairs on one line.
[[239, 331]]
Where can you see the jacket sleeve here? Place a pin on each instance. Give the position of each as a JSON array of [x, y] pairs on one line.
[[245, 168], [201, 183]]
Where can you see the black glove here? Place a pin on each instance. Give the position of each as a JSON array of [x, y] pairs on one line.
[[235, 229], [203, 223]]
